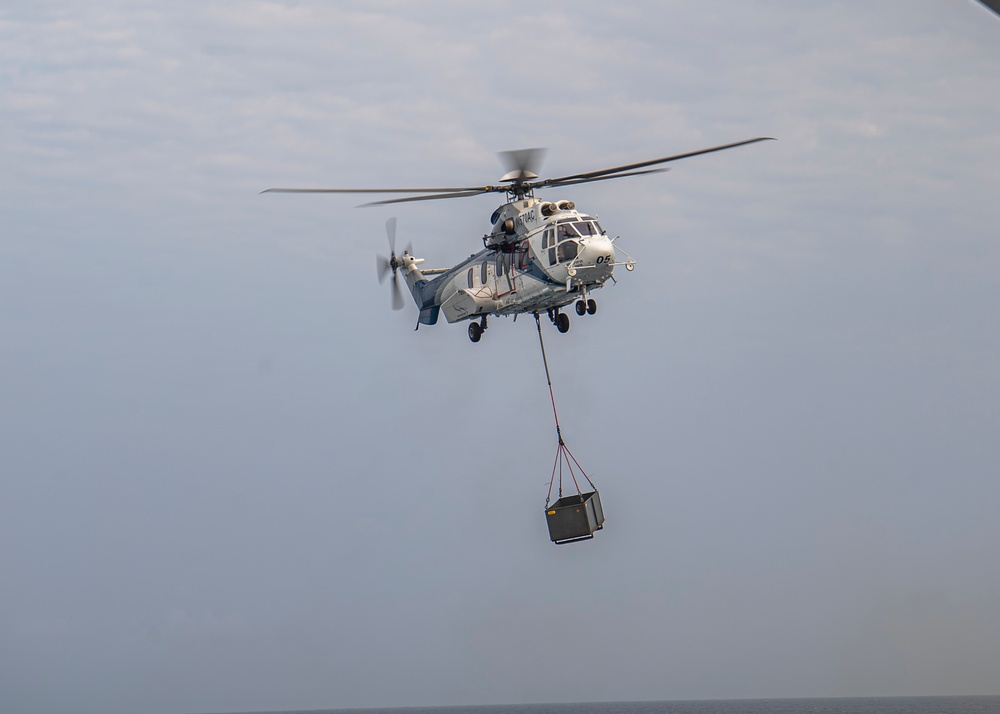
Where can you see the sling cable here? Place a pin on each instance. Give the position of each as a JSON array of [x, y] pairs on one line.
[[576, 516]]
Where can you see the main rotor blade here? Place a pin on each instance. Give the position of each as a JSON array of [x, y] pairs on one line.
[[641, 164], [573, 182], [376, 190], [993, 5], [457, 194]]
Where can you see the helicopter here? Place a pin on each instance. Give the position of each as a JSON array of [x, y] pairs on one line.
[[540, 256]]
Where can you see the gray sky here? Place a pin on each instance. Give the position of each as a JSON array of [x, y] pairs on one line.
[[233, 479]]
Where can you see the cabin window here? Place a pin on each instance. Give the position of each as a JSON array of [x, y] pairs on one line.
[[568, 250], [482, 273], [523, 258], [470, 277]]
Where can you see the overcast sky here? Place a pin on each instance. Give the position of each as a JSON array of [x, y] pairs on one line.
[[233, 479]]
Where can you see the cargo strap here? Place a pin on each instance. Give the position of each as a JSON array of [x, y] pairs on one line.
[[563, 454]]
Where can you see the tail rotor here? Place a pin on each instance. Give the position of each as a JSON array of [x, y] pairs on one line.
[[386, 265]]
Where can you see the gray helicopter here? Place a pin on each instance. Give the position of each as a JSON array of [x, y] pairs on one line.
[[540, 255]]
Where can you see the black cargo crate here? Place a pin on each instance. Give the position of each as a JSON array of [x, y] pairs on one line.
[[575, 517]]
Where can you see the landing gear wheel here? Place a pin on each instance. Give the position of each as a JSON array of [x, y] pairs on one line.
[[591, 306], [562, 322], [581, 308], [475, 331]]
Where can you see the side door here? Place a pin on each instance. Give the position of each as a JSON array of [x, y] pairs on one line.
[[487, 279], [520, 261], [504, 266]]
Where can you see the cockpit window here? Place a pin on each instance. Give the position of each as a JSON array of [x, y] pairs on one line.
[[565, 245], [596, 225], [564, 231]]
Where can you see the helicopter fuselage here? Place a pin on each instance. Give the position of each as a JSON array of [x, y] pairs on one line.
[[540, 256]]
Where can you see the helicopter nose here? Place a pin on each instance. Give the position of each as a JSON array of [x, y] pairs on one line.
[[598, 253]]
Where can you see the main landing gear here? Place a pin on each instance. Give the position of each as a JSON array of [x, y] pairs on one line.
[[560, 320], [476, 329]]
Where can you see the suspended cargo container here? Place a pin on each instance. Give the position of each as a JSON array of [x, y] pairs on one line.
[[575, 517]]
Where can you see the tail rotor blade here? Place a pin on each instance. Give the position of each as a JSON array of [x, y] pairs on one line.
[[390, 231], [383, 265], [397, 294]]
